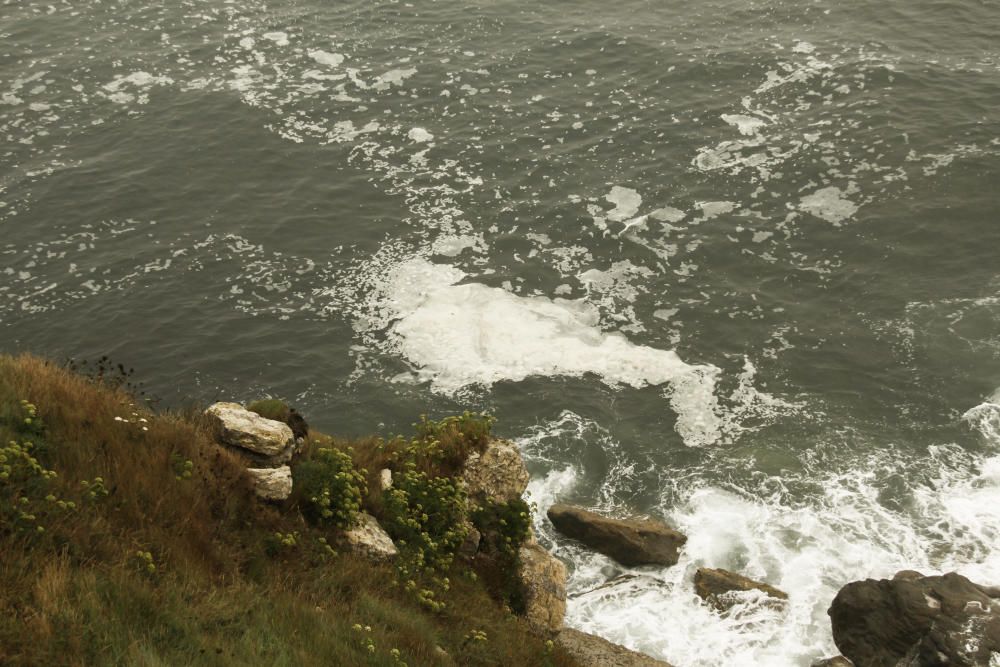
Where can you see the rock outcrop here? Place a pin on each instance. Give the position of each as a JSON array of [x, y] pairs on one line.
[[272, 483], [544, 579], [369, 539], [717, 587], [592, 651], [267, 441], [913, 620], [497, 475], [836, 661], [629, 541]]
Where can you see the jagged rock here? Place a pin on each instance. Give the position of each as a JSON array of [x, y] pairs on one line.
[[544, 579], [497, 475], [271, 441], [628, 541], [716, 587], [369, 539], [272, 483], [385, 479], [593, 651], [913, 620], [836, 661]]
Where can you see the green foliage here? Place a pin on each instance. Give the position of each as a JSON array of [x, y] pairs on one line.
[[426, 517], [94, 490], [271, 408], [451, 440], [26, 498], [145, 563], [277, 543], [183, 468], [330, 488], [504, 528]]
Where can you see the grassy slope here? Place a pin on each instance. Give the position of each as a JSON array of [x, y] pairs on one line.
[[79, 594]]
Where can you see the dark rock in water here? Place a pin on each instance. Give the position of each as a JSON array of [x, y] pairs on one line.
[[712, 586], [592, 651], [628, 541], [917, 621], [836, 661]]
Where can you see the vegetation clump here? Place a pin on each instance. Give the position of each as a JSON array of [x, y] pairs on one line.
[[329, 487], [503, 527]]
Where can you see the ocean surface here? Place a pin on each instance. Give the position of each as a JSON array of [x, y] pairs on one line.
[[732, 264]]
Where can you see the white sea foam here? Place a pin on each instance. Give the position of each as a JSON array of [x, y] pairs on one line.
[[326, 58], [808, 547], [830, 204], [626, 200], [747, 125], [461, 335], [420, 135], [278, 37]]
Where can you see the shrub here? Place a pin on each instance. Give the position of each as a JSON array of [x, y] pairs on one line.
[[271, 408], [329, 487], [426, 518], [504, 528], [452, 439]]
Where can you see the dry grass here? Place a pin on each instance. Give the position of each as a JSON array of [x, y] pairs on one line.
[[77, 594]]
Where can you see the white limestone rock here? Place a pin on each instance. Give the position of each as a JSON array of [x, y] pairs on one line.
[[238, 427], [272, 483], [497, 475], [369, 539]]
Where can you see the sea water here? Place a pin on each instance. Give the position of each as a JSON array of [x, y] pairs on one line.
[[730, 264]]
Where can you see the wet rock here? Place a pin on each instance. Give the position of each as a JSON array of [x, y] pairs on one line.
[[717, 587], [913, 620], [497, 475], [629, 541], [544, 579], [271, 442], [272, 483], [370, 540], [836, 661], [593, 651]]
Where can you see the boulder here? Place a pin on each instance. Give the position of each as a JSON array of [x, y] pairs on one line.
[[915, 620], [544, 579], [272, 483], [497, 475], [369, 539], [717, 587], [629, 541], [267, 440], [836, 661], [592, 651], [385, 479]]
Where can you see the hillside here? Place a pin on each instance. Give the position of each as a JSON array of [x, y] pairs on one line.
[[129, 536]]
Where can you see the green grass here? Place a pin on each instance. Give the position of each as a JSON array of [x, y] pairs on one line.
[[221, 590]]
